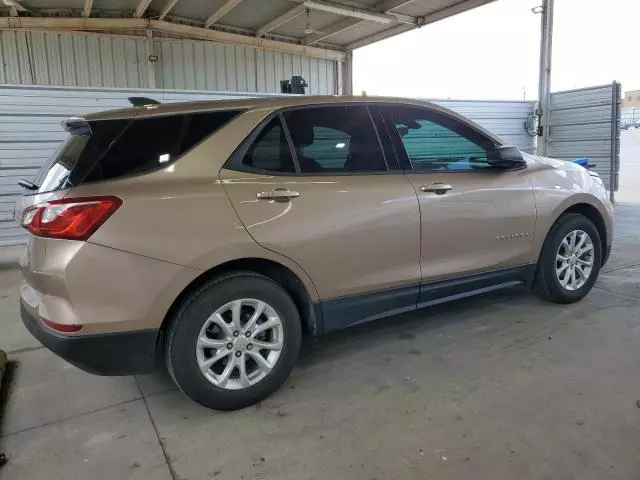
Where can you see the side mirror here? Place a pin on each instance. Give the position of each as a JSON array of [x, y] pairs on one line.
[[506, 157]]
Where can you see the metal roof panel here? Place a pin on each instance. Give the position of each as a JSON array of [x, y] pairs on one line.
[[249, 15]]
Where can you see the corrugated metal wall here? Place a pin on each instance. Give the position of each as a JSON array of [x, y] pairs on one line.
[[504, 118], [30, 128], [66, 59], [192, 65], [585, 123]]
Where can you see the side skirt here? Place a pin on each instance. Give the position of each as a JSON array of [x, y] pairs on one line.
[[351, 310]]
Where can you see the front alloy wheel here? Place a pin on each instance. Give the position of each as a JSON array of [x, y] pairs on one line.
[[574, 260]]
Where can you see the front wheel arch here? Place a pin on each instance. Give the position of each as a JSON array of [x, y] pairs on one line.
[[588, 211], [545, 282]]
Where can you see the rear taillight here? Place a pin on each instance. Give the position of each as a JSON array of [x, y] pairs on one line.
[[69, 218]]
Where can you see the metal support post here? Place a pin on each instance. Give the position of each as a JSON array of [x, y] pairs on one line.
[[345, 75], [544, 85]]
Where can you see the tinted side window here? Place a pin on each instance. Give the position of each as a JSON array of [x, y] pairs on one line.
[[335, 139], [270, 151], [148, 143], [435, 142], [143, 146]]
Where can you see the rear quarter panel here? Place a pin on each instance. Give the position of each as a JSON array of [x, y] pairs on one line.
[[181, 214]]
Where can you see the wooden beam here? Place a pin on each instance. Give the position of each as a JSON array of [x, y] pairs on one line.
[[72, 23], [106, 24], [151, 67], [221, 12], [281, 20], [141, 8], [167, 8], [236, 39], [86, 11]]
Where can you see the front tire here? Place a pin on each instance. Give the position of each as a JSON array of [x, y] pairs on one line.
[[234, 341], [570, 260]]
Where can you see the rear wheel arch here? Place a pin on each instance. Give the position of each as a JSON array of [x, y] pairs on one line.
[[275, 271]]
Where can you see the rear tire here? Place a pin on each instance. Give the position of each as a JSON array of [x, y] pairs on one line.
[[234, 341], [566, 272]]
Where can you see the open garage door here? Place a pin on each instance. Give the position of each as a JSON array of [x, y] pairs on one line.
[[586, 123]]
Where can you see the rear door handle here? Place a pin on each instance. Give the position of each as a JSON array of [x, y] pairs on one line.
[[437, 188], [278, 194]]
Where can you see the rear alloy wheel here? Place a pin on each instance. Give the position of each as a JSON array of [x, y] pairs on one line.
[[240, 343], [234, 341], [570, 260]]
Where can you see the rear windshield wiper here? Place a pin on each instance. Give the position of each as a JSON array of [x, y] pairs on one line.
[[27, 184]]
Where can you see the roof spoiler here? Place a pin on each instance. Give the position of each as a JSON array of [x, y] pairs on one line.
[[76, 125], [142, 101]]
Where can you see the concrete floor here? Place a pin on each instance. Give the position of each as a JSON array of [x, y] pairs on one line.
[[501, 386]]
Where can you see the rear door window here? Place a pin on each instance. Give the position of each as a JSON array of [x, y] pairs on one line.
[[335, 139], [111, 149], [270, 151]]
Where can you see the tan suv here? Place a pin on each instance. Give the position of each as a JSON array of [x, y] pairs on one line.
[[213, 235]]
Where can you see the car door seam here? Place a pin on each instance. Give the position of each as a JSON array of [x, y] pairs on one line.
[[222, 183]]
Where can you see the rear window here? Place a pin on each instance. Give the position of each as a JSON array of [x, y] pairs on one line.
[[111, 149]]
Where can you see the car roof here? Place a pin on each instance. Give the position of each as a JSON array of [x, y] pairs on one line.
[[269, 103]]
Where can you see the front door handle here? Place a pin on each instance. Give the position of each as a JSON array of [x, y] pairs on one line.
[[437, 188], [278, 194]]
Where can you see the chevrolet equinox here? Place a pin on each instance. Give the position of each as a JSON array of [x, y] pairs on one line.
[[213, 235]]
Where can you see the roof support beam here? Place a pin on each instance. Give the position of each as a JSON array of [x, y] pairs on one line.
[[141, 8], [86, 11], [281, 20], [335, 28], [382, 15], [460, 7], [360, 13], [221, 12], [80, 24], [167, 8]]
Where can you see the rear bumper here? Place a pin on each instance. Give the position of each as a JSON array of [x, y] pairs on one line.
[[125, 353]]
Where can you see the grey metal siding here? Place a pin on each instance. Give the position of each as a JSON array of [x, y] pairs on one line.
[[504, 118], [30, 128], [84, 60], [585, 123], [192, 65]]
